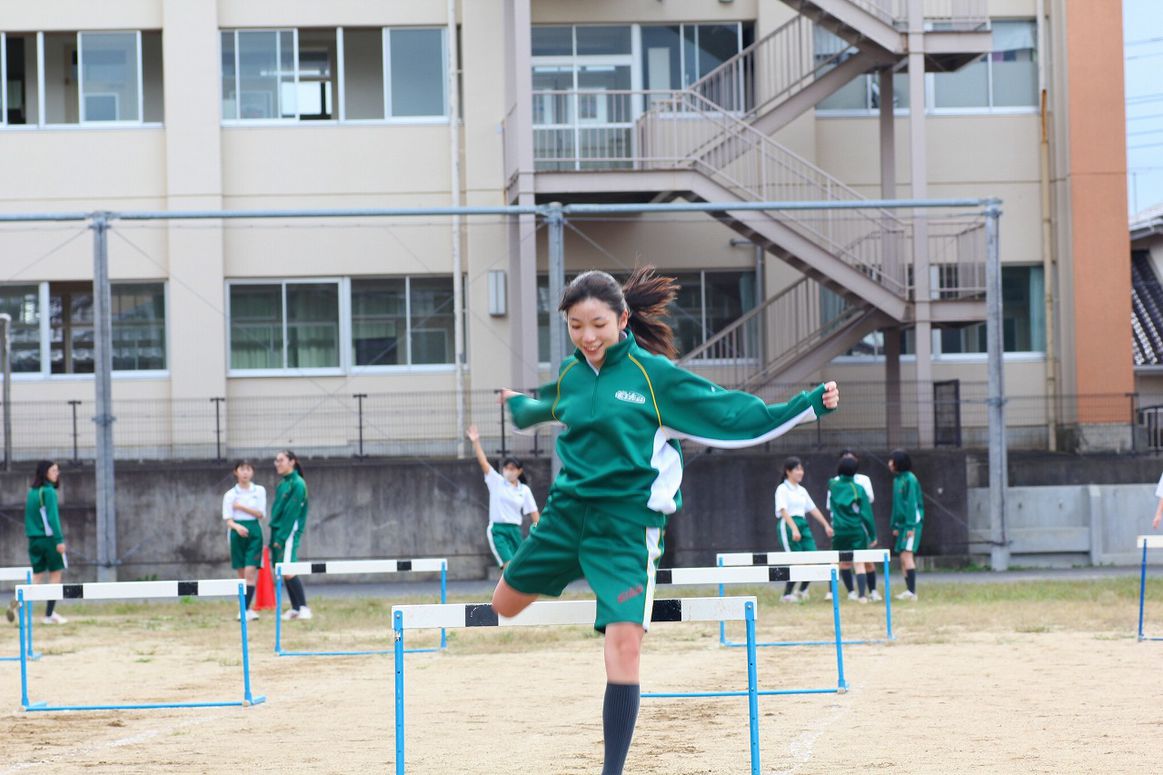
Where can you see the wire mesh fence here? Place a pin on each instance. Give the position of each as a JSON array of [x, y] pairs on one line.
[[423, 424]]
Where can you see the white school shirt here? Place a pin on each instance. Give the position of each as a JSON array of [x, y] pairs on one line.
[[794, 498], [254, 497], [1159, 489], [506, 502]]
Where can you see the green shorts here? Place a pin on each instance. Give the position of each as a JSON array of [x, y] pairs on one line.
[[246, 552], [286, 548], [504, 540], [849, 540], [575, 540], [807, 542], [906, 544], [43, 555]]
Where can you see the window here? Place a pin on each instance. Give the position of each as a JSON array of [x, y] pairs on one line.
[[674, 57], [1006, 78], [300, 74], [861, 93], [64, 343], [290, 325], [88, 78], [402, 320], [1023, 316]]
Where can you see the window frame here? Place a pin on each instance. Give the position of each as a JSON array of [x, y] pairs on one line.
[[341, 81], [342, 314]]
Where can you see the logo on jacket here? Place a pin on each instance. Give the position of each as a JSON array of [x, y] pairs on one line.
[[630, 397]]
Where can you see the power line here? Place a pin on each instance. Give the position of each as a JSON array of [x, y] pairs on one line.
[[1144, 118], [1143, 41]]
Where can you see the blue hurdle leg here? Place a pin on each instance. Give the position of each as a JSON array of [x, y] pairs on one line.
[[247, 697], [443, 599], [887, 598], [24, 624], [722, 624], [398, 632], [752, 688], [278, 610], [841, 684], [1142, 588]]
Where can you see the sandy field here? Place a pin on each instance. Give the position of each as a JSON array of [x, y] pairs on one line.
[[1001, 684]]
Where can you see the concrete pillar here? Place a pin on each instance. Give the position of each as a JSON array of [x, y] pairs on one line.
[[918, 171], [892, 336]]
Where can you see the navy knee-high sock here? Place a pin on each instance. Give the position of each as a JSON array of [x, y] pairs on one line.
[[871, 580], [861, 584], [249, 595], [293, 587], [789, 587], [49, 606], [911, 579], [846, 577], [619, 714]]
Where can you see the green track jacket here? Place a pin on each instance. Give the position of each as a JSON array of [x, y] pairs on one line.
[[42, 516], [908, 507], [620, 451], [290, 506]]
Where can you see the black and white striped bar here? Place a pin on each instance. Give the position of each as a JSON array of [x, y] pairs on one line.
[[749, 574], [131, 590], [459, 615], [1151, 542], [801, 558], [15, 574], [361, 566]]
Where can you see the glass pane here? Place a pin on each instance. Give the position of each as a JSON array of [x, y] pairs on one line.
[[71, 328], [378, 326], [153, 83], [432, 320], [661, 57], [256, 327], [363, 73], [60, 78], [417, 72], [317, 74], [603, 40], [258, 64], [110, 76], [139, 326], [288, 96], [851, 96], [312, 325], [229, 90], [552, 41], [21, 74], [1014, 64], [717, 44], [966, 88], [690, 54], [22, 302], [900, 90], [550, 106], [685, 314], [728, 296]]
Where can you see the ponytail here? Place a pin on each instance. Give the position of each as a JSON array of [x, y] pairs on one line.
[[646, 296], [294, 459]]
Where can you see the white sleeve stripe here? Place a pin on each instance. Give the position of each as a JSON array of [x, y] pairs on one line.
[[807, 415]]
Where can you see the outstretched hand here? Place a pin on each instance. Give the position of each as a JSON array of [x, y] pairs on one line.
[[473, 434], [831, 395], [506, 394]]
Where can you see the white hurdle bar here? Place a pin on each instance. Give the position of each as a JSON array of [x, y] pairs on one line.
[[705, 609], [135, 590], [22, 575], [309, 567], [1146, 542], [756, 574], [882, 556]]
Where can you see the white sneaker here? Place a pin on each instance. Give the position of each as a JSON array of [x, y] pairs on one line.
[[289, 614], [828, 596], [906, 595], [304, 612], [874, 596], [251, 615], [803, 594], [55, 619], [790, 598], [854, 595], [862, 600]]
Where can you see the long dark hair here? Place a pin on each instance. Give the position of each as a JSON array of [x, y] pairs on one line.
[[40, 478], [848, 466], [645, 295], [901, 461], [515, 462], [790, 465], [294, 459]]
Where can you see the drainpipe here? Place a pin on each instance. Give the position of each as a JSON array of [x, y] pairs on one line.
[[457, 278], [1049, 264]]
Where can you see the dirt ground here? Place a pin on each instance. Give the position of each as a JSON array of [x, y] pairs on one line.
[[1001, 686]]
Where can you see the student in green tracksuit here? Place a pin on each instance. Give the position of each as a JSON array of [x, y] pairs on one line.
[[625, 406], [46, 540], [908, 517], [288, 519], [852, 522]]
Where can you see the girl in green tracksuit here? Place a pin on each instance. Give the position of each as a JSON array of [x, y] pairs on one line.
[[852, 522], [908, 517], [288, 519], [625, 406], [46, 540]]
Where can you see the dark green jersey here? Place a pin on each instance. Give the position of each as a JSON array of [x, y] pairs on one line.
[[908, 507], [846, 501], [620, 447], [42, 516], [290, 506]]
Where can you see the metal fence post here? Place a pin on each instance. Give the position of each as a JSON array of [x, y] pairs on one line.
[[217, 401], [74, 404], [359, 397], [555, 223], [998, 472], [6, 363], [103, 379]]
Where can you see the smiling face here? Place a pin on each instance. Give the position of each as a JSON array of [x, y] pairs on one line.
[[283, 464], [53, 473], [594, 327]]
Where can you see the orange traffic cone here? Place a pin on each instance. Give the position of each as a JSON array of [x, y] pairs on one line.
[[264, 595]]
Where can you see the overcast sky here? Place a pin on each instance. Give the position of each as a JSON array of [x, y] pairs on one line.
[[1143, 42]]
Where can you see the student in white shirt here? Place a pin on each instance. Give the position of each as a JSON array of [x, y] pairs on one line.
[[793, 505], [509, 500], [243, 506]]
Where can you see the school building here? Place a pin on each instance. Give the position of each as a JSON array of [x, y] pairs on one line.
[[245, 335]]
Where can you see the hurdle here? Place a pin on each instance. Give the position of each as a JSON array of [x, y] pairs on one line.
[[22, 575], [705, 609], [307, 568], [1146, 542], [814, 558], [756, 574], [131, 590]]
